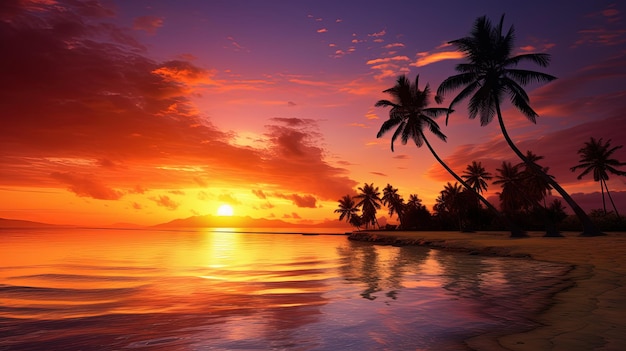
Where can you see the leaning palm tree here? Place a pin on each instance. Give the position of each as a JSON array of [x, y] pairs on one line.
[[347, 209], [596, 156], [369, 197], [490, 75], [410, 114]]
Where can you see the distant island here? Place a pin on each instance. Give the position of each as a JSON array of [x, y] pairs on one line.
[[17, 223], [242, 222], [207, 221]]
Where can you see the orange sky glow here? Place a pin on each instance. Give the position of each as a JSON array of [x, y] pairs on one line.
[[144, 112]]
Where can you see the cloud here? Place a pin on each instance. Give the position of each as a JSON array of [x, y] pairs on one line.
[[304, 201], [389, 66], [165, 201], [150, 24], [259, 193], [87, 186], [298, 200], [228, 198], [322, 30], [85, 93], [183, 72], [426, 58]]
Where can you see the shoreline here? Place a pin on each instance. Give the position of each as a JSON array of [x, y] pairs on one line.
[[589, 314]]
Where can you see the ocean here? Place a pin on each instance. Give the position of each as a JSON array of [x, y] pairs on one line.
[[234, 289]]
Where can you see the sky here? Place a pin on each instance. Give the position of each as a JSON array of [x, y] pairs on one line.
[[147, 111]]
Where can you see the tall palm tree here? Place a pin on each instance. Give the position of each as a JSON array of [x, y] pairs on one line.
[[410, 114], [490, 75], [369, 203], [393, 201], [347, 209], [596, 156]]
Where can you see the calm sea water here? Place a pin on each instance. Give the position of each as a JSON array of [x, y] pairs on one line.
[[83, 289]]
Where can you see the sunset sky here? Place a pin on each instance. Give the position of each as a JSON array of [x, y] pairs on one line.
[[147, 111]]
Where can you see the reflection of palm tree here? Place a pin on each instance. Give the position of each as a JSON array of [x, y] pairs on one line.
[[410, 114], [393, 201], [596, 156], [491, 73], [347, 209], [369, 203]]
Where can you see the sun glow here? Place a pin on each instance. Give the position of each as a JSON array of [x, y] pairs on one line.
[[225, 210]]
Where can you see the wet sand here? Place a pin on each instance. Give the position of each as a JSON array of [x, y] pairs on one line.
[[590, 315]]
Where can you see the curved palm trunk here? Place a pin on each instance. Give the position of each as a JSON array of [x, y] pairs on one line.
[[516, 232], [589, 229]]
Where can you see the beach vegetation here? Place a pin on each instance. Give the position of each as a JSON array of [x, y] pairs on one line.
[[409, 114], [596, 157], [490, 74], [369, 202]]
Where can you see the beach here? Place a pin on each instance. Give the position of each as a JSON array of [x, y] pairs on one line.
[[589, 314]]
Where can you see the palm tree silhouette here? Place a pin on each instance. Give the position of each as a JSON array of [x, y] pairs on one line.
[[393, 201], [410, 114], [370, 202], [488, 76], [476, 176], [512, 196], [596, 156], [535, 185], [347, 209], [451, 197]]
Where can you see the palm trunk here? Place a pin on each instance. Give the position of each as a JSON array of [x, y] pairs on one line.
[[589, 229], [602, 186], [516, 232], [610, 198]]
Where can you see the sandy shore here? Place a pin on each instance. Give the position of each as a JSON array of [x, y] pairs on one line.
[[591, 315]]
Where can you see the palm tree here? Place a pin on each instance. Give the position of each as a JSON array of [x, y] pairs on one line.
[[347, 209], [451, 199], [491, 74], [410, 114], [476, 176], [370, 202], [512, 196], [414, 201], [596, 156], [393, 201], [535, 185]]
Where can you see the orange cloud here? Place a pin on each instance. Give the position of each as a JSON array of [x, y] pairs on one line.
[[87, 186], [426, 58], [130, 120], [165, 201]]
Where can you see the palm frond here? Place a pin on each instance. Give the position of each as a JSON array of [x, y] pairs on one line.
[[387, 125], [541, 59], [525, 77]]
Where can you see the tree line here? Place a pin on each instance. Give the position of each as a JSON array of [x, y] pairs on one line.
[[489, 75]]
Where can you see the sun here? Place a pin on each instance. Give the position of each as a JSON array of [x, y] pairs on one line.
[[225, 210]]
